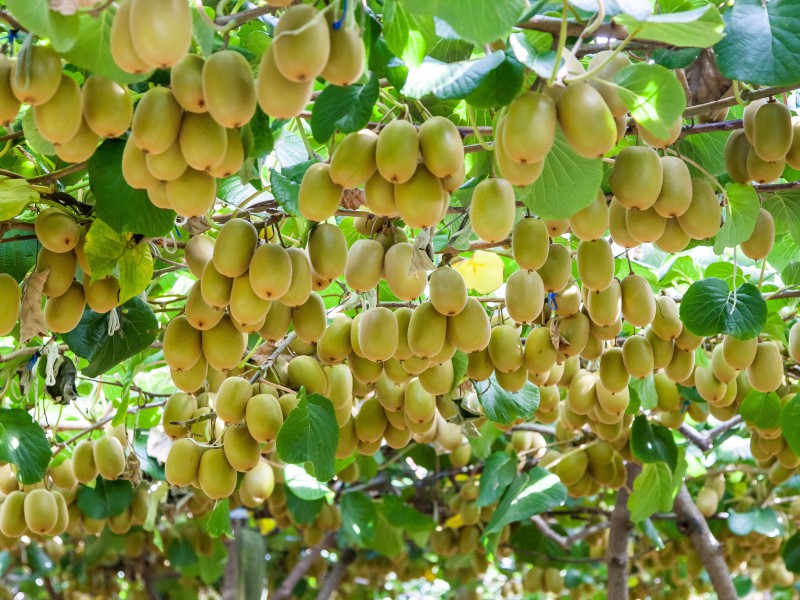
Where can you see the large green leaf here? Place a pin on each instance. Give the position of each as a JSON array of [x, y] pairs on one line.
[[762, 410], [791, 553], [36, 17], [17, 257], [784, 206], [219, 521], [743, 208], [504, 407], [653, 443], [761, 43], [117, 203], [121, 256], [476, 21], [450, 81], [359, 518], [310, 434], [709, 307], [652, 492], [653, 95], [533, 49], [500, 85], [286, 186], [499, 471], [408, 36], [90, 339], [23, 443], [105, 499], [388, 540], [530, 494], [303, 485], [765, 521], [15, 195], [303, 511], [698, 28], [568, 183], [407, 518], [790, 423], [347, 108]]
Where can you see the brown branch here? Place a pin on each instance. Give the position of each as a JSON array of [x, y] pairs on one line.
[[12, 136], [284, 591], [574, 29], [705, 441], [621, 527], [56, 175], [777, 187], [711, 127], [6, 16], [464, 131], [747, 96], [692, 524], [566, 541], [334, 578], [237, 19]]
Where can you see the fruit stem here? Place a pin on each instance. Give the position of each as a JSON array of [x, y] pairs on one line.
[[473, 120], [562, 41], [609, 58], [304, 136], [703, 170]]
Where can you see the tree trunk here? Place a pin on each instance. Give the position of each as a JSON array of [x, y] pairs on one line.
[[621, 526]]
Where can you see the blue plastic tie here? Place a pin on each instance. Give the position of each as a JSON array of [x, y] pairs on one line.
[[551, 300], [337, 24], [32, 361]]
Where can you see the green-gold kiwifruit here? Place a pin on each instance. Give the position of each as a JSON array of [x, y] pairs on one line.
[[241, 449], [62, 515], [107, 106], [667, 322], [63, 313], [516, 173], [234, 247], [492, 210], [674, 239], [419, 405], [340, 385], [470, 329], [161, 30], [62, 474], [353, 161], [613, 374], [327, 250], [637, 177], [83, 462], [479, 365], [605, 65], [364, 371], [302, 43], [637, 354], [586, 120], [202, 141], [259, 482], [505, 348], [708, 386], [156, 121], [739, 354], [134, 167], [183, 344], [530, 127], [772, 131], [59, 118], [179, 407], [380, 196], [378, 334], [278, 96], [198, 251], [191, 380], [530, 243], [676, 188], [638, 302], [305, 371], [228, 89], [79, 147], [224, 345], [702, 219], [192, 194], [736, 150], [40, 510], [766, 371], [231, 400], [334, 345], [441, 147], [573, 332], [347, 56], [62, 270], [540, 354], [618, 226], [680, 365], [234, 155], [364, 265], [300, 287], [792, 156], [109, 456], [403, 283], [370, 422], [397, 151], [270, 271], [309, 319], [319, 196], [403, 316], [277, 323], [595, 261], [216, 476], [56, 230], [720, 367], [389, 393], [420, 199], [572, 468], [659, 142], [186, 82], [427, 331], [762, 171], [121, 43], [215, 287], [36, 75], [581, 395], [557, 268], [524, 296], [9, 103], [591, 222], [447, 291], [604, 306], [347, 444], [246, 308], [760, 242], [167, 165], [183, 462], [662, 348], [264, 417], [749, 116]]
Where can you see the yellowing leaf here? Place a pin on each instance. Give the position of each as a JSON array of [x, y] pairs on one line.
[[15, 195], [482, 272], [454, 522], [266, 525]]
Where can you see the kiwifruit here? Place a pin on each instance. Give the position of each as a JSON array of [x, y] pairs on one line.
[[109, 456], [736, 150], [605, 65], [618, 226], [420, 199], [595, 261], [397, 151], [505, 349], [107, 106], [604, 306], [353, 161], [720, 367], [134, 167], [347, 56], [540, 354], [702, 219], [62, 270], [263, 417], [300, 287], [427, 330], [766, 371], [158, 195], [516, 173], [246, 308], [56, 230], [121, 43], [572, 468], [454, 182], [419, 405], [438, 378], [179, 407], [591, 222], [658, 142], [380, 196], [370, 422], [309, 319], [760, 242], [674, 239], [215, 287], [637, 176], [12, 515], [259, 482], [680, 365], [62, 517], [492, 210], [613, 374], [234, 155], [792, 156], [581, 395], [530, 243], [301, 44], [216, 476], [270, 271], [83, 462], [557, 268], [241, 449], [224, 345], [156, 120], [9, 103], [79, 147], [378, 334], [305, 371], [232, 398], [645, 226], [59, 118], [524, 296], [198, 251], [228, 89], [364, 265], [441, 147], [772, 131], [63, 313], [447, 291], [278, 96], [340, 385], [676, 188], [638, 302], [637, 354], [40, 510], [708, 386], [191, 380], [319, 196], [202, 140], [530, 127], [234, 247], [334, 345], [186, 82], [171, 163], [183, 344], [327, 250], [586, 120], [161, 30], [667, 322], [469, 330], [36, 75], [762, 171]]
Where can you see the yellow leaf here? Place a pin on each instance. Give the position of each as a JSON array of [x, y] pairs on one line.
[[454, 522], [430, 575], [482, 272], [266, 525]]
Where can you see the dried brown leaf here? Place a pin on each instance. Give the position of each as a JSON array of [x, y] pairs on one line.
[[31, 315]]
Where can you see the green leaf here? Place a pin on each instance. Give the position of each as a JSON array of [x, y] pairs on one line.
[[36, 17], [644, 391], [121, 256], [533, 49], [500, 85], [219, 521], [181, 553], [790, 423], [388, 540], [17, 257], [118, 204], [303, 511], [743, 208], [407, 518], [262, 135], [499, 471], [709, 308], [15, 196], [92, 50], [33, 137], [765, 521], [252, 548], [653, 95], [105, 499], [639, 9], [761, 43], [791, 553], [359, 518], [653, 443], [761, 410], [286, 186], [310, 434], [460, 364], [505, 407], [568, 183], [347, 108], [408, 36], [303, 485], [202, 32], [90, 339], [476, 21], [449, 81], [784, 207], [708, 150], [676, 59], [652, 492], [530, 494], [726, 272], [698, 28], [23, 443]]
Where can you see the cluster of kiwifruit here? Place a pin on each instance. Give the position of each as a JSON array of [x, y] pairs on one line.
[[548, 580], [710, 495], [768, 143]]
